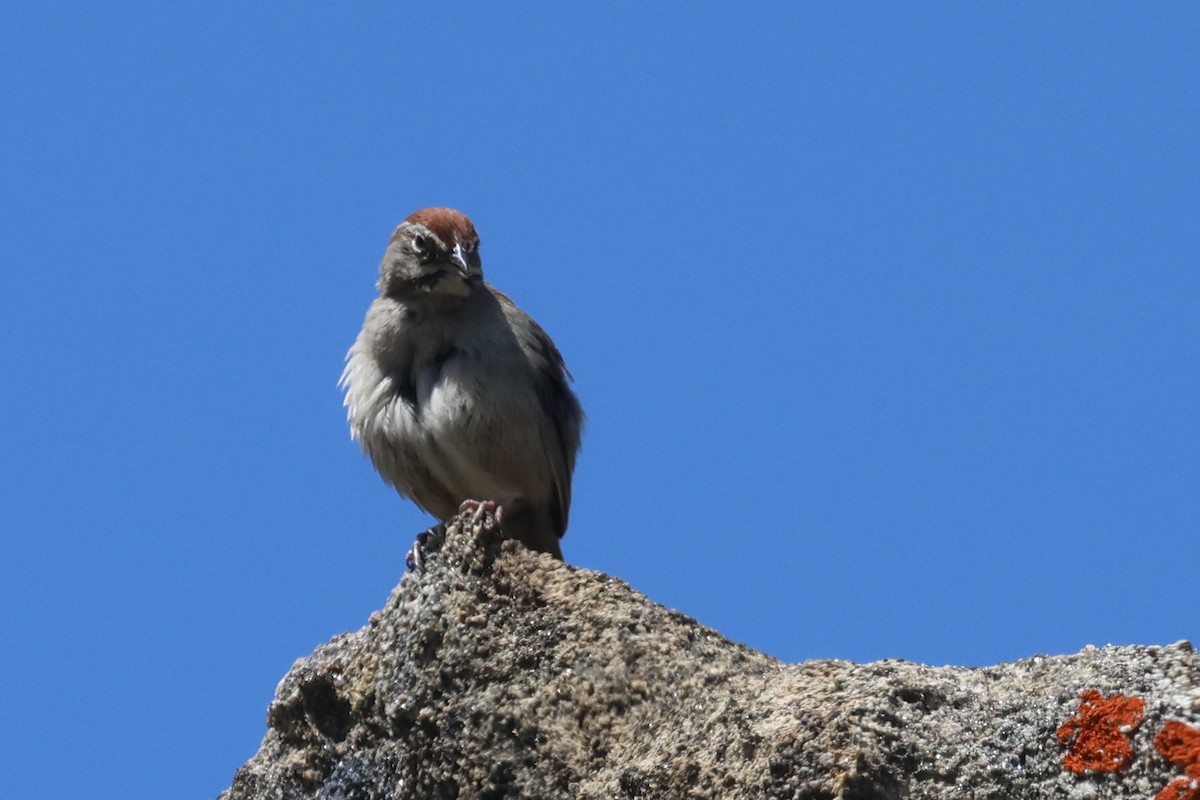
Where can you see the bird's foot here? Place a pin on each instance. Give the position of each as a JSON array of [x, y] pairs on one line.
[[415, 557], [481, 508]]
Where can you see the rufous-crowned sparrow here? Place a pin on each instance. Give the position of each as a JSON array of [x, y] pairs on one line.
[[457, 395]]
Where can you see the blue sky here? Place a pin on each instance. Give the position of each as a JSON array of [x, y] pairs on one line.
[[886, 322]]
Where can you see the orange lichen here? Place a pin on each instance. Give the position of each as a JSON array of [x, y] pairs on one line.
[[1180, 744], [1180, 789], [1098, 733]]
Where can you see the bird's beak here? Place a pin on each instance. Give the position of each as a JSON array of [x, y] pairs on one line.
[[463, 261]]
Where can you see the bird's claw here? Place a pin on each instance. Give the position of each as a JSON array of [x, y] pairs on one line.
[[481, 508], [415, 558]]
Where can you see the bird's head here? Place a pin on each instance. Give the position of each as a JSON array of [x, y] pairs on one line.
[[434, 251]]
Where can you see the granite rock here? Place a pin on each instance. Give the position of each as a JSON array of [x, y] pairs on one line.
[[494, 672]]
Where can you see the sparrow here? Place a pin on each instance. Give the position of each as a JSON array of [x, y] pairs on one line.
[[457, 396]]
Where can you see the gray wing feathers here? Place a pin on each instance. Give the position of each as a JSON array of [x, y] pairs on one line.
[[564, 418]]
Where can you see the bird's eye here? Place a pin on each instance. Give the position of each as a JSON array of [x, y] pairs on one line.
[[422, 245]]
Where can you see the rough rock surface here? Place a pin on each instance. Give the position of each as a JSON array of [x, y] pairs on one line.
[[499, 673]]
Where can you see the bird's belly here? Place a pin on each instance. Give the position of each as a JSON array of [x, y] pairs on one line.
[[484, 451]]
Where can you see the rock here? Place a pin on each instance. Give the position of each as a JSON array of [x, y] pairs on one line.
[[499, 673]]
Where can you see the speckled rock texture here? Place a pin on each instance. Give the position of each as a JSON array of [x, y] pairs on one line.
[[495, 672]]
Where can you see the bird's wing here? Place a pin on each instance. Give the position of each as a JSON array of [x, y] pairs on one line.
[[564, 417]]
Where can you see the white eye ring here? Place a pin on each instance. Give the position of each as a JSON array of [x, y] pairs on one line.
[[421, 244]]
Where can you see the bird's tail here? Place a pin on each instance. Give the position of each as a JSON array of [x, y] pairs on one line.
[[533, 527]]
